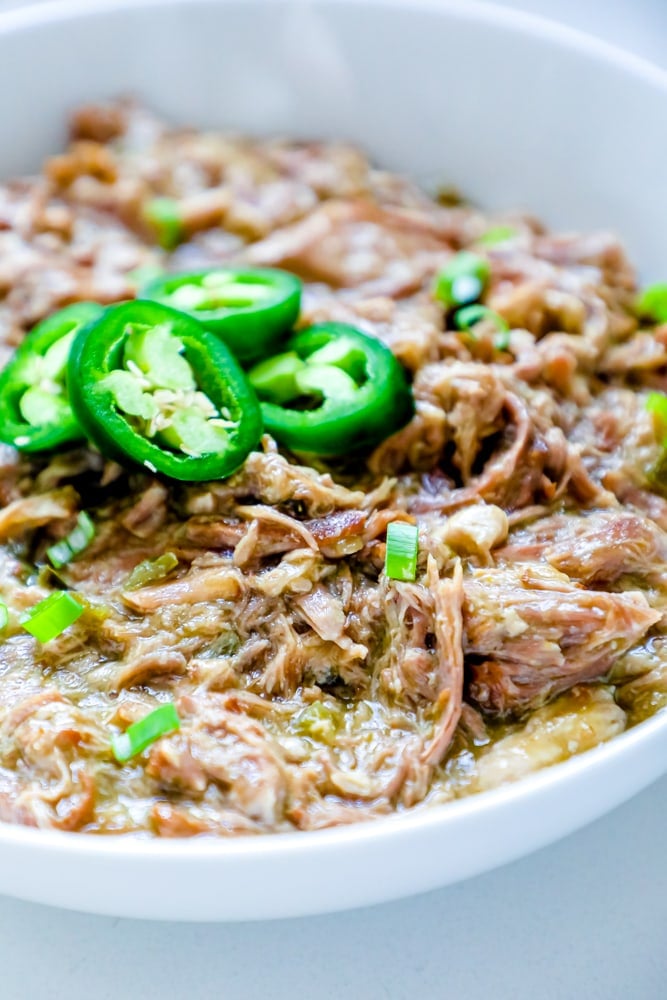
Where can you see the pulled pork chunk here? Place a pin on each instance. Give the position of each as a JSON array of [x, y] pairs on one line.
[[351, 244], [230, 751], [423, 663], [597, 547], [45, 736], [269, 478], [532, 633], [311, 689], [27, 513], [202, 583]]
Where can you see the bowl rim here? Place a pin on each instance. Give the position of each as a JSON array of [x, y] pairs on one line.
[[36, 13], [422, 817]]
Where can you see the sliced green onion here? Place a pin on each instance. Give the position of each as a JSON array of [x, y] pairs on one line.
[[402, 548], [151, 570], [502, 340], [468, 317], [79, 537], [141, 734], [164, 216], [656, 403], [462, 280], [497, 234], [652, 302], [49, 619], [59, 554], [4, 615]]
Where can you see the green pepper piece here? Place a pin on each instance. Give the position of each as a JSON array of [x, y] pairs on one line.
[[35, 412], [54, 362], [191, 435], [151, 570], [157, 354], [322, 381], [251, 309], [38, 407], [129, 395], [275, 378], [191, 432], [319, 721], [349, 413], [344, 353]]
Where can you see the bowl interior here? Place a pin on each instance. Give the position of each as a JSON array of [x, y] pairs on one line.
[[513, 112]]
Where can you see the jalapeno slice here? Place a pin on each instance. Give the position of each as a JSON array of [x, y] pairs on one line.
[[35, 412], [333, 391], [150, 385], [249, 308]]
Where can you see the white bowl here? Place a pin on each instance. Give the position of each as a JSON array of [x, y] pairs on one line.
[[516, 112]]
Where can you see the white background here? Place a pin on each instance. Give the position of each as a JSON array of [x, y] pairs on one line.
[[583, 919]]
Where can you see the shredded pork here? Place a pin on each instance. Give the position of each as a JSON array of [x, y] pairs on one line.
[[312, 690]]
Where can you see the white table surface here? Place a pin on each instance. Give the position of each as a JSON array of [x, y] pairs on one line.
[[585, 918]]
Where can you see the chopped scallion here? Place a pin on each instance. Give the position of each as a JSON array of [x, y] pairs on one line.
[[468, 317], [59, 554], [79, 537], [502, 340], [402, 548], [652, 303], [163, 215], [462, 280], [656, 403], [49, 619], [141, 734], [4, 615], [497, 234]]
